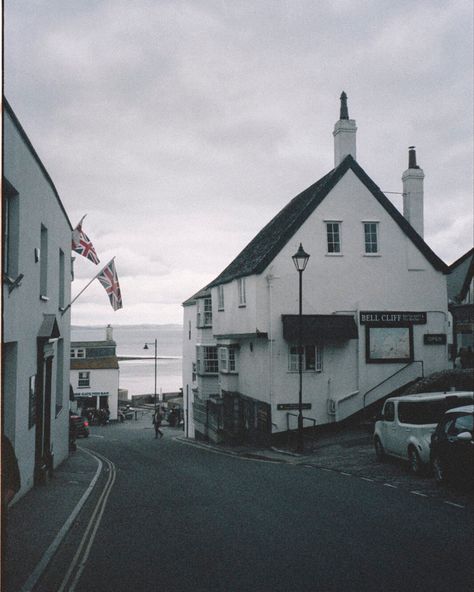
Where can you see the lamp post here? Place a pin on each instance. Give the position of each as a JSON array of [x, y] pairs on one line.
[[156, 364], [300, 259]]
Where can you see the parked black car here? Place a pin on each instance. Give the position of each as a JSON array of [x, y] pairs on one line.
[[78, 426], [452, 447]]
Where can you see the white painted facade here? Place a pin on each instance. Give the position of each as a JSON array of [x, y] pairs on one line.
[[36, 288], [103, 383], [400, 276]]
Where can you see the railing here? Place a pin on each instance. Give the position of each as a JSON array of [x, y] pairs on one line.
[[290, 431], [410, 365]]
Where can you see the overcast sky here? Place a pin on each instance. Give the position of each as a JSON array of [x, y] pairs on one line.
[[182, 127]]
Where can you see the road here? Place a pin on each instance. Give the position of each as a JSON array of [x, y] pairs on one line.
[[180, 518]]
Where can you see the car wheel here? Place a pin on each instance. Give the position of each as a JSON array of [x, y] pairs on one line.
[[439, 471], [415, 464], [379, 450]]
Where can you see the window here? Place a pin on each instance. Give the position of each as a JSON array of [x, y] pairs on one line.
[[242, 294], [370, 238], [333, 237], [210, 360], [44, 263], [227, 359], [204, 312], [220, 297], [312, 358], [207, 312], [389, 411], [223, 366], [84, 380], [11, 231], [189, 329], [78, 352], [61, 279], [194, 371]]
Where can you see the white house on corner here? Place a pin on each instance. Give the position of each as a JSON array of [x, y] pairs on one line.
[[374, 308], [95, 374], [36, 290]]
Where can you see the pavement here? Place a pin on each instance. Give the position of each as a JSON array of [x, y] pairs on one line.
[[39, 520]]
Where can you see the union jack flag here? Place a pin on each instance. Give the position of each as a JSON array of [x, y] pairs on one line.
[[108, 278], [81, 243]]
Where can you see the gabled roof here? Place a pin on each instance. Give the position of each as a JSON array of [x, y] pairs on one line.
[[460, 275], [259, 253], [201, 294]]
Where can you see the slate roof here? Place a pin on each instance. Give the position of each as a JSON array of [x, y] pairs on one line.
[[95, 363], [259, 253], [460, 276]]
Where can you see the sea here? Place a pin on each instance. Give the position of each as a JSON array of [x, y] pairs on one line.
[[138, 376]]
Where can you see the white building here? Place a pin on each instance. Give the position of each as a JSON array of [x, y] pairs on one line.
[[95, 374], [374, 295], [36, 290]]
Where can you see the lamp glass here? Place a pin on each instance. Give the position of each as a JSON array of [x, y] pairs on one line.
[[300, 258]]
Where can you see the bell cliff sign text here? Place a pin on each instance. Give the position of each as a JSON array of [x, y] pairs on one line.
[[392, 318]]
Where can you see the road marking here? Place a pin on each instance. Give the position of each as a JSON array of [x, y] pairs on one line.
[[390, 485], [91, 530], [419, 493], [367, 479], [51, 550], [96, 436], [455, 505], [346, 474]]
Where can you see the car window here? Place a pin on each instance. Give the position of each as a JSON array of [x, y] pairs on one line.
[[389, 411], [447, 426], [464, 423]]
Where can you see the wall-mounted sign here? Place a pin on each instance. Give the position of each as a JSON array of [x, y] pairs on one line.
[[392, 318], [434, 339], [292, 406], [93, 394]]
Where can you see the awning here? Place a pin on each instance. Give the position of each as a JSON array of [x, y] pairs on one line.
[[317, 328], [49, 327]]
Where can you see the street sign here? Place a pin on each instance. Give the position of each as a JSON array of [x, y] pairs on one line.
[[292, 406]]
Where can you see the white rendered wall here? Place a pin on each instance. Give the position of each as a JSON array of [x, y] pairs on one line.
[[23, 310]]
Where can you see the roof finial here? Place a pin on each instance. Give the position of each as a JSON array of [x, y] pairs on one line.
[[344, 110], [412, 158]]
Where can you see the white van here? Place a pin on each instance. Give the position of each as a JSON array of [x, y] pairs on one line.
[[406, 423]]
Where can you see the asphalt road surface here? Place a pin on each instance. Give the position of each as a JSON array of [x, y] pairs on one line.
[[174, 517]]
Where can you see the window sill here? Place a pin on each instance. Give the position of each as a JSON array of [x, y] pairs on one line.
[[334, 255], [305, 371], [372, 255], [44, 298], [242, 305]]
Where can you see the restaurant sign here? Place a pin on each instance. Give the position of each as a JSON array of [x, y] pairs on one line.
[[392, 318]]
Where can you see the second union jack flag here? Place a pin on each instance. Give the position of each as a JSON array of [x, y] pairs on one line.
[[81, 244], [108, 278]]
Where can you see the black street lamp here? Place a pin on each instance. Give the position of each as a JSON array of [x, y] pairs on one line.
[[156, 364], [300, 259]]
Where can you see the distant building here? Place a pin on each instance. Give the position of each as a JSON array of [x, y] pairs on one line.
[[375, 312], [461, 302], [95, 374], [36, 291]]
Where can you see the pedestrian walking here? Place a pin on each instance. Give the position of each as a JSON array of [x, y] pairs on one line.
[[157, 419]]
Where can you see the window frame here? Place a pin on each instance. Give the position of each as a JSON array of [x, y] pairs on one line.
[[85, 377], [78, 353], [312, 359], [331, 238], [242, 290], [368, 244]]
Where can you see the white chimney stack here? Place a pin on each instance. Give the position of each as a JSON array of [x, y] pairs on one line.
[[109, 334], [413, 192], [344, 134]]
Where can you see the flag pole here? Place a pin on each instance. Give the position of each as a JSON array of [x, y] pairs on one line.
[[85, 287]]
